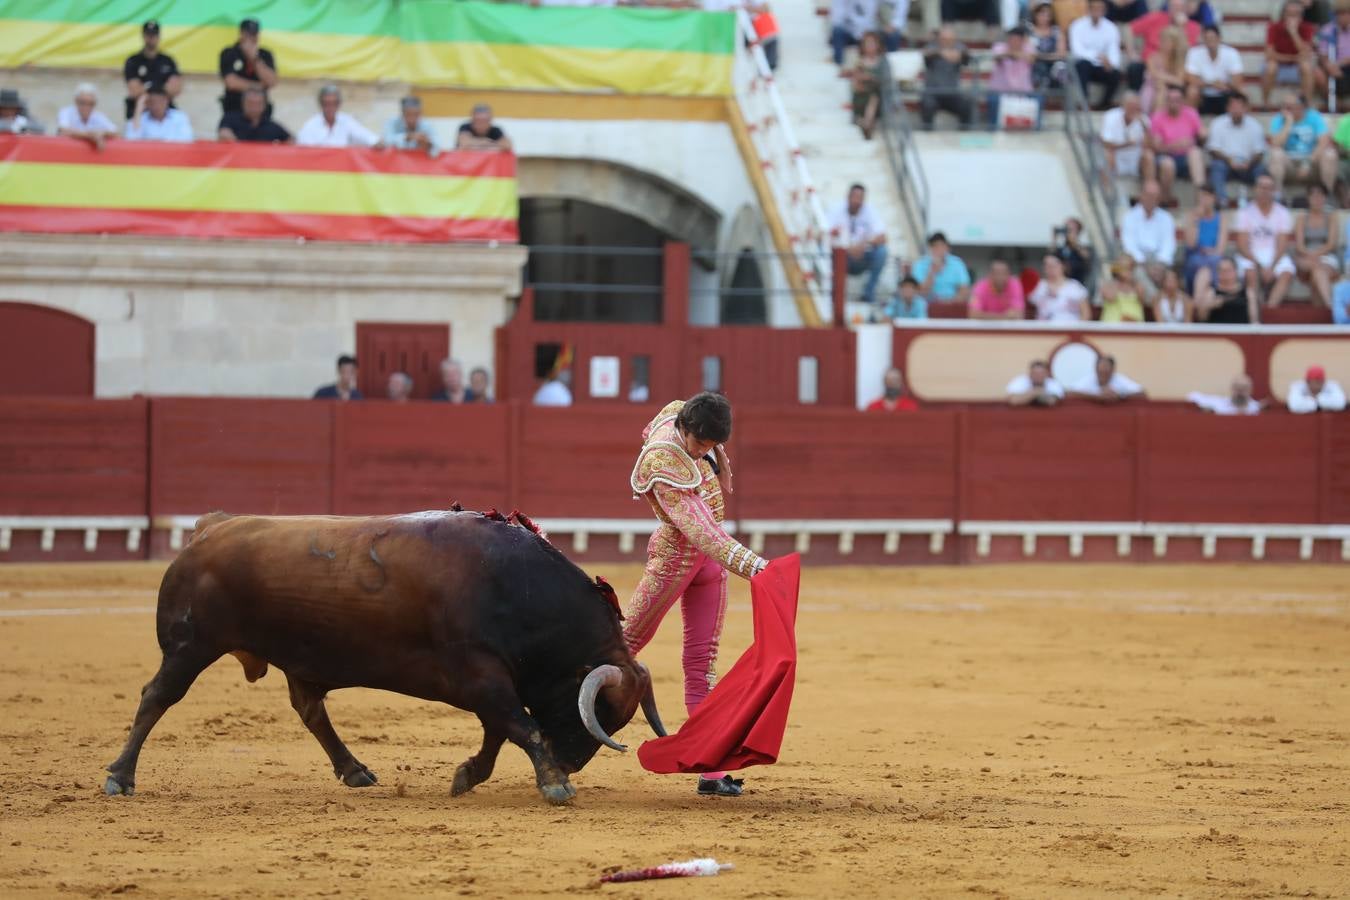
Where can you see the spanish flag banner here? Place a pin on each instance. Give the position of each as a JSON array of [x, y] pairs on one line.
[[240, 190], [448, 43]]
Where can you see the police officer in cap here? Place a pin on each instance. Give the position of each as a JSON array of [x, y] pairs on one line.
[[244, 65], [150, 68]]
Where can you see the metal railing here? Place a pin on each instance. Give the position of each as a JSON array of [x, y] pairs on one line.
[[1090, 158], [903, 153]]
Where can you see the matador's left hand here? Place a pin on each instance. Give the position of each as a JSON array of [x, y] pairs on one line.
[[723, 468]]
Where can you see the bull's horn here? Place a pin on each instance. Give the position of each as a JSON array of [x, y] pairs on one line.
[[649, 704], [600, 677]]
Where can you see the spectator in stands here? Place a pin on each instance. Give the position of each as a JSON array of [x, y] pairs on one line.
[[480, 134], [1300, 145], [1078, 258], [1094, 45], [1204, 13], [400, 387], [1176, 135], [479, 385], [1264, 231], [856, 227], [452, 383], [851, 19], [345, 386], [407, 131], [893, 398], [155, 120], [556, 390], [14, 115], [1013, 60], [1121, 294], [245, 66], [1105, 384], [1171, 305], [1206, 237], [1316, 252], [943, 60], [150, 68], [1052, 48], [1147, 34], [907, 303], [1236, 147], [1314, 392], [1333, 49], [1165, 69], [1213, 71], [1228, 300], [1059, 299], [1291, 57], [1124, 136], [81, 119], [998, 295], [1149, 236], [1035, 388], [1239, 401], [252, 123], [331, 127], [867, 75], [942, 275]]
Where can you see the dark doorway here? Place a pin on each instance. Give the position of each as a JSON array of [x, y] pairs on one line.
[[383, 348], [743, 299], [45, 352]]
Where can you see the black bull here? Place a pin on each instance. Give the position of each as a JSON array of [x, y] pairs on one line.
[[463, 608]]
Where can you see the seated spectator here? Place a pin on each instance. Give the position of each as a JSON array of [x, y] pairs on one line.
[[150, 68], [480, 134], [867, 76], [1314, 393], [998, 296], [1149, 236], [252, 124], [1213, 71], [1077, 256], [1011, 75], [855, 226], [894, 398], [1146, 35], [1165, 69], [245, 66], [1264, 230], [1120, 294], [452, 383], [479, 383], [156, 120], [1059, 299], [1205, 235], [1105, 384], [1171, 305], [13, 114], [1229, 300], [1035, 388], [851, 19], [331, 127], [81, 120], [1094, 46], [1052, 48], [1176, 135], [407, 131], [1291, 57], [1300, 145], [1316, 253], [555, 391], [345, 386], [1124, 136], [907, 303], [400, 387], [1236, 146], [943, 60], [1333, 50], [942, 275], [1239, 401]]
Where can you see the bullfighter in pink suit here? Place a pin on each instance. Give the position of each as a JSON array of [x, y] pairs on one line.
[[682, 471]]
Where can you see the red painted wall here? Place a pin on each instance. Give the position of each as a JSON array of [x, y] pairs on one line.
[[45, 352]]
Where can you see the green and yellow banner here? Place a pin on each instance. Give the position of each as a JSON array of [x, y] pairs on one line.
[[445, 43]]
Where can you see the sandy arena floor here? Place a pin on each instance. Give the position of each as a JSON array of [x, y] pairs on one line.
[[1022, 731]]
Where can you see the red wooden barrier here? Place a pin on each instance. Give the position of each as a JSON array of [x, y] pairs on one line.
[[575, 463], [1334, 487]]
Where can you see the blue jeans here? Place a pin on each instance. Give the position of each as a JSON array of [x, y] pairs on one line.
[[1340, 303], [873, 262], [841, 39], [1220, 172]]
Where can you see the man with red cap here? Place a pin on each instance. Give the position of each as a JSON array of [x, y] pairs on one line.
[[1314, 392]]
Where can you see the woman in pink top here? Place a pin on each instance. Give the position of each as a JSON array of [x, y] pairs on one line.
[[1013, 60], [1175, 136]]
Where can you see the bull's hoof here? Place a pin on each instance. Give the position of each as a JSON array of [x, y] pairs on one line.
[[463, 782], [360, 778], [558, 794], [113, 787]]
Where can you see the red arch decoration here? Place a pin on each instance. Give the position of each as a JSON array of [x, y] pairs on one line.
[[45, 352]]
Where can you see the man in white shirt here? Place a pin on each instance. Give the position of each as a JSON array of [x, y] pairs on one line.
[[555, 391], [1094, 47], [1314, 392], [155, 120], [1105, 384], [1149, 235], [857, 228], [331, 127], [1239, 401], [81, 120], [851, 19], [1035, 388], [1264, 230], [1236, 146], [1213, 71], [1124, 134]]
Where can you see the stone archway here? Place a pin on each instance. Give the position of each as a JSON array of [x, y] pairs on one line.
[[45, 352]]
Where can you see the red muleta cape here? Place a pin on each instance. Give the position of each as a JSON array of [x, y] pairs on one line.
[[741, 723]]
